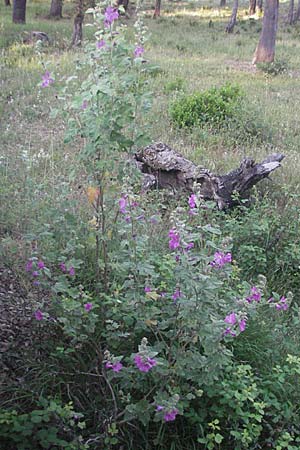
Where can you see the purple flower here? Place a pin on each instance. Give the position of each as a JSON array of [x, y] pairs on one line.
[[41, 265], [174, 241], [88, 307], [35, 273], [29, 265], [63, 267], [229, 331], [47, 80], [147, 289], [36, 283], [84, 104], [230, 319], [242, 325], [116, 367], [171, 415], [159, 408], [100, 44], [72, 271], [282, 304], [177, 258], [255, 295], [144, 364], [177, 294], [127, 219], [110, 15], [190, 246], [122, 205], [139, 50], [192, 201], [38, 315], [220, 259]]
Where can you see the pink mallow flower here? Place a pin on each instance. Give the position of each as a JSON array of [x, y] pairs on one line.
[[38, 314], [147, 289], [282, 304], [170, 415], [111, 14], [88, 307], [72, 271], [63, 267], [174, 241], [47, 80], [29, 265], [116, 367], [100, 44], [255, 295], [192, 201], [144, 364], [122, 205], [41, 265], [230, 319], [139, 50], [220, 259]]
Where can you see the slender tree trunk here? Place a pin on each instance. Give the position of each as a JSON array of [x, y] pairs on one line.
[[19, 11], [7, 2], [56, 9], [232, 21], [265, 50], [222, 3], [123, 3], [260, 6], [252, 7], [157, 9], [77, 28], [297, 13], [290, 19]]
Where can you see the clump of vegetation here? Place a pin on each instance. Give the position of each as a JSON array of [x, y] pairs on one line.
[[212, 107], [174, 85], [277, 67]]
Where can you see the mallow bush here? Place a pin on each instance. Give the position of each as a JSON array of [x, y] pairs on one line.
[[144, 342]]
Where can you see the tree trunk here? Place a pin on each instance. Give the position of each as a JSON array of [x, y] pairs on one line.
[[297, 13], [222, 3], [290, 19], [265, 50], [56, 9], [260, 6], [77, 28], [162, 167], [252, 7], [157, 9], [19, 11], [123, 3], [232, 21], [7, 2]]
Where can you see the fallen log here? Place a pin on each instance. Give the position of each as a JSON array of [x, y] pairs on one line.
[[163, 167]]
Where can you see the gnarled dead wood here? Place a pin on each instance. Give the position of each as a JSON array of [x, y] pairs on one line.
[[163, 167]]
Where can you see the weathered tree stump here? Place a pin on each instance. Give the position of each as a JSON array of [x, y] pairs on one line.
[[163, 167]]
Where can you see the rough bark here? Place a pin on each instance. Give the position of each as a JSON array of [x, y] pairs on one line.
[[7, 2], [290, 18], [222, 3], [19, 11], [297, 13], [265, 50], [164, 168], [252, 7], [157, 9], [232, 20], [56, 9], [77, 27]]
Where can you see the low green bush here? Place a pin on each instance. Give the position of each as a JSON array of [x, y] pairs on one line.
[[212, 107]]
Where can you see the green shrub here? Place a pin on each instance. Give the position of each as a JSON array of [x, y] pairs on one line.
[[212, 107], [274, 68]]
